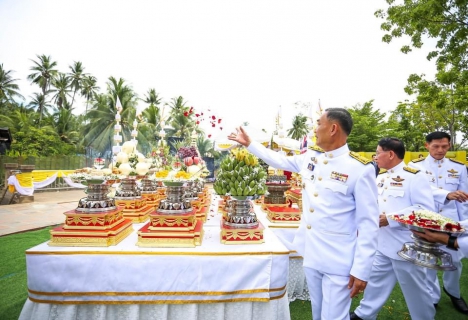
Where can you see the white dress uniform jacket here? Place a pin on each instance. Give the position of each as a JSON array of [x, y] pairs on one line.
[[339, 200], [401, 190], [445, 176]]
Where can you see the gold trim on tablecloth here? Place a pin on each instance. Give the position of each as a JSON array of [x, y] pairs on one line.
[[158, 253], [167, 293]]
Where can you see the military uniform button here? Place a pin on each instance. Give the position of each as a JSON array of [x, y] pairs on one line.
[[316, 194], [330, 155], [309, 226], [385, 200], [440, 177], [392, 171], [385, 188], [311, 210], [320, 178], [325, 161], [440, 210], [440, 166]]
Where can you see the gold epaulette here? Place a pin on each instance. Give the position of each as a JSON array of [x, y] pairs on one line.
[[382, 171], [359, 158], [412, 170], [418, 160], [315, 148], [456, 161]]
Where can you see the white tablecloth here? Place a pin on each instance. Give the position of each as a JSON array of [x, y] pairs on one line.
[[212, 281]]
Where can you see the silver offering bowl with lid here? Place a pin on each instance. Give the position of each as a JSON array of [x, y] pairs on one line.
[[240, 212], [96, 199], [427, 254], [175, 202]]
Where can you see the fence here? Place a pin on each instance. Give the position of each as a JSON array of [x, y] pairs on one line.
[[49, 163]]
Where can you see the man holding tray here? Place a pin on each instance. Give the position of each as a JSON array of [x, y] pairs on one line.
[[401, 190], [338, 232], [447, 178]]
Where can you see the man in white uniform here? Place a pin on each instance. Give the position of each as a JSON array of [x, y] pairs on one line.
[[339, 202], [447, 178], [401, 190]]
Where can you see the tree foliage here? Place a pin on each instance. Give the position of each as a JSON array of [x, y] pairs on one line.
[[443, 20], [368, 127], [299, 127]]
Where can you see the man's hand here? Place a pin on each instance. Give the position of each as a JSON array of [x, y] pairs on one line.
[[432, 236], [458, 195], [357, 286], [383, 222], [240, 136]]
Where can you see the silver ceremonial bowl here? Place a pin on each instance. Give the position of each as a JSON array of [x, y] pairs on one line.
[[426, 254]]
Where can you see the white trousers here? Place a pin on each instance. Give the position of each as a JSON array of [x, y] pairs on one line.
[[329, 295], [451, 279], [412, 279]]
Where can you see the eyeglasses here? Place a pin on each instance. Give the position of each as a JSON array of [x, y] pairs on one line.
[[377, 153]]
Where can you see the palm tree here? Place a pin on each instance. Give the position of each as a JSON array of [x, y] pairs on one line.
[[43, 72], [299, 127], [205, 147], [8, 88], [89, 89], [66, 124], [100, 129], [181, 120], [76, 77], [40, 103], [20, 119], [152, 98], [62, 90]]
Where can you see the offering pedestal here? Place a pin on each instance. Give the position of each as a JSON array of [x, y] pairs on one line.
[[240, 225], [283, 214], [96, 222], [149, 192], [174, 224], [129, 198]]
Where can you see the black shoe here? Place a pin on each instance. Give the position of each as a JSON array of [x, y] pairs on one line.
[[353, 316], [458, 303]]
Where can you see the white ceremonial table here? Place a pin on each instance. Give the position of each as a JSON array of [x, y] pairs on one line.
[[212, 281], [297, 284]]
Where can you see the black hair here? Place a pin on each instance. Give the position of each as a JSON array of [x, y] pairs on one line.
[[393, 144], [342, 116], [436, 135]]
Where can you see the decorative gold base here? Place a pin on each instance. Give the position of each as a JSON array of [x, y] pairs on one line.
[[183, 222], [90, 238], [152, 199], [294, 196], [170, 238], [283, 214], [135, 209], [264, 206], [231, 235]]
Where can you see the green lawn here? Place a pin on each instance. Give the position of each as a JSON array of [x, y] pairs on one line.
[[13, 286]]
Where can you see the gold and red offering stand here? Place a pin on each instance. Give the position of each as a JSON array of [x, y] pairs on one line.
[[275, 203], [240, 225], [96, 222], [294, 195], [198, 193], [174, 223], [149, 192], [128, 197]]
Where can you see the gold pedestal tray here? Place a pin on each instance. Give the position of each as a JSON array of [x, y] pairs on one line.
[[135, 208], [283, 214], [91, 229], [171, 231], [231, 235]]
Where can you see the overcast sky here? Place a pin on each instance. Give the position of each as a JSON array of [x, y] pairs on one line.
[[241, 59]]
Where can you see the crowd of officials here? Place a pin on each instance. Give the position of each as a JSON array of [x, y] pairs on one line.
[[346, 236]]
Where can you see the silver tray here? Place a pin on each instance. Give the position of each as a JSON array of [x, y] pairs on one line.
[[421, 229]]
